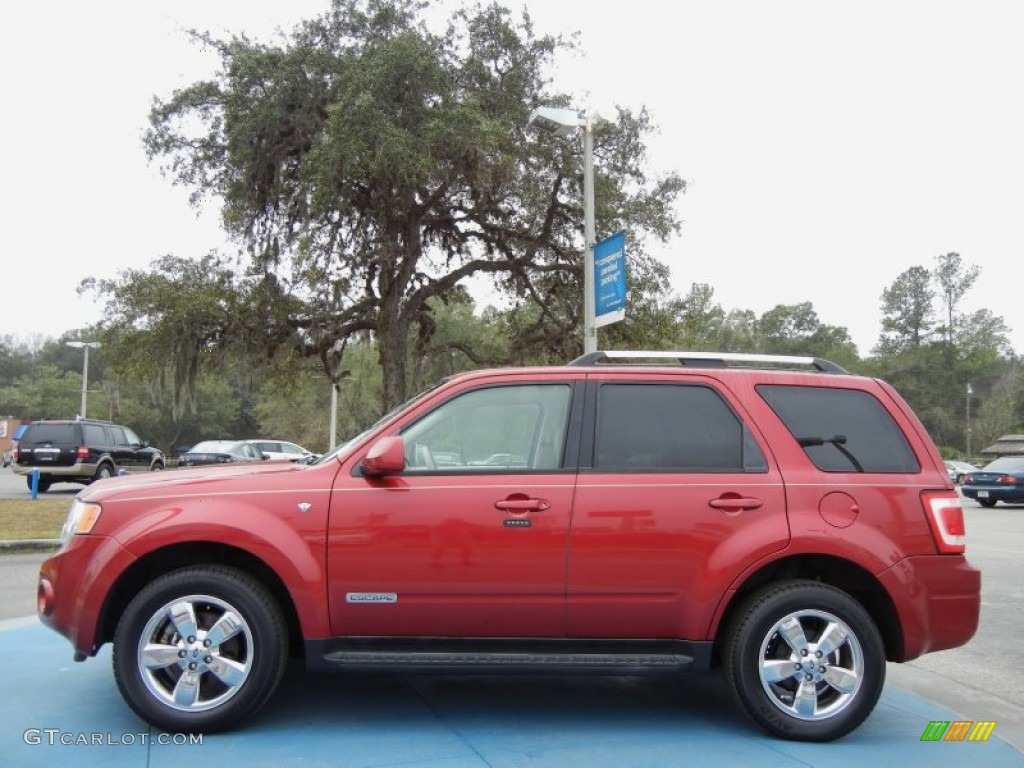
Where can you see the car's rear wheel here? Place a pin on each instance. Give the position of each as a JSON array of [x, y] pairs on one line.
[[103, 471], [43, 486], [200, 649], [987, 502], [805, 660]]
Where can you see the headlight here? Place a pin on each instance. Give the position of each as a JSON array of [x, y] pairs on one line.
[[81, 518]]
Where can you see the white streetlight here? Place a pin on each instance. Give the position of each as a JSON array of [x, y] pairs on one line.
[[562, 122], [86, 345]]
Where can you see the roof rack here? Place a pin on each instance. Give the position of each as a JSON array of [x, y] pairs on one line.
[[709, 360]]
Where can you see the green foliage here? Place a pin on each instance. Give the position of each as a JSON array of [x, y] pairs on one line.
[[370, 165], [45, 392], [933, 363]]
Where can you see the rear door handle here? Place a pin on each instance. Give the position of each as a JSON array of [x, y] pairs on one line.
[[735, 503], [522, 505]]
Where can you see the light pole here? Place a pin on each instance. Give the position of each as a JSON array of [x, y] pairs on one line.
[[969, 393], [562, 122], [86, 345]]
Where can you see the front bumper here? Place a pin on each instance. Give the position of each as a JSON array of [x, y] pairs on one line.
[[74, 585]]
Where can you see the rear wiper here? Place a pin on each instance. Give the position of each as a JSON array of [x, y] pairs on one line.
[[839, 441]]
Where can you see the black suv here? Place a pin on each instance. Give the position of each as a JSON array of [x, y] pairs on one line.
[[81, 451]]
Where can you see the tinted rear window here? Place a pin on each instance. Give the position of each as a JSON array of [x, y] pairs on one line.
[[51, 433], [842, 430], [669, 427]]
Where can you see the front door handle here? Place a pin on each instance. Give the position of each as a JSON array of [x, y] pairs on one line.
[[522, 505], [735, 503]]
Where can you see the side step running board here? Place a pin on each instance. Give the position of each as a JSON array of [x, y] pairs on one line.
[[572, 656]]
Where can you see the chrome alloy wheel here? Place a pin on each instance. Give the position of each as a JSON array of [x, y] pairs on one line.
[[195, 653], [811, 665]]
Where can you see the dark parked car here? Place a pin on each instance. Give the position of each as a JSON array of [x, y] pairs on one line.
[[81, 451], [220, 452], [796, 528], [1000, 480]]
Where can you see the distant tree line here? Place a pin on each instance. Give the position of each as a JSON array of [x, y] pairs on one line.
[[930, 354]]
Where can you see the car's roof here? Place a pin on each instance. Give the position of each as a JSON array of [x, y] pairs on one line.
[[673, 360]]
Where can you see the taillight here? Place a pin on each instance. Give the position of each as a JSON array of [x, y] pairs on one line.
[[82, 453], [1007, 480], [14, 453], [946, 518]]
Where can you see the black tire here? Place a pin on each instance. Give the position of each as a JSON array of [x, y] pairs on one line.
[[236, 671], [43, 486], [103, 471], [987, 502], [158, 466], [824, 680]]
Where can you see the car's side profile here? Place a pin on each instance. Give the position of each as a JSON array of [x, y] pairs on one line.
[[796, 529]]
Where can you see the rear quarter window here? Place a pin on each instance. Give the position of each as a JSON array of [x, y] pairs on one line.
[[842, 430]]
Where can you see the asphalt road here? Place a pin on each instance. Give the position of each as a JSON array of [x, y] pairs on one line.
[[979, 681], [14, 486]]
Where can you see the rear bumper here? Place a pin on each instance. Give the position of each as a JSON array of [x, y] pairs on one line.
[[938, 599], [74, 470], [1011, 494]]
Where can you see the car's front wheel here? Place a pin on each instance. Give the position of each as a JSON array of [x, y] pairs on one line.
[[805, 660], [200, 649]]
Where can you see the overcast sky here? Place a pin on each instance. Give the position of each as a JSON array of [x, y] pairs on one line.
[[827, 146]]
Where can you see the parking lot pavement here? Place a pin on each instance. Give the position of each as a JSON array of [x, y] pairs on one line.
[[55, 711]]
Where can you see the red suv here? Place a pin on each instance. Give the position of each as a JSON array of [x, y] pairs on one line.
[[668, 512]]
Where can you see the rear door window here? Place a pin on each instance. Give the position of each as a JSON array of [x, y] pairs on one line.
[[842, 430], [671, 428]]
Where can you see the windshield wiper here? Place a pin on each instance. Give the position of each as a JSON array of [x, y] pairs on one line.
[[839, 441]]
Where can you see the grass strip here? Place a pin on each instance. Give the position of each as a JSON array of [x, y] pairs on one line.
[[27, 519]]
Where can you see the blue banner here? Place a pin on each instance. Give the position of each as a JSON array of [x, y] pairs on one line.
[[610, 280]]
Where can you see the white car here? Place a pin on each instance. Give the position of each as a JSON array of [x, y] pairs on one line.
[[957, 470], [277, 450]]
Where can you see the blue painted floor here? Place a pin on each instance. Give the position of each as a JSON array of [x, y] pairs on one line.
[[435, 721]]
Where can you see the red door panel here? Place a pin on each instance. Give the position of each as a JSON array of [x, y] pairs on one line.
[[450, 556]]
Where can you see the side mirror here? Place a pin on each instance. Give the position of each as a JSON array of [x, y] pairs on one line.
[[264, 456], [386, 457]]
